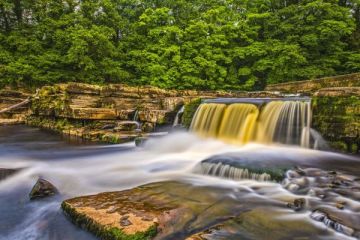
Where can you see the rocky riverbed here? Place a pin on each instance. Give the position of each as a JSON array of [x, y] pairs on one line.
[[157, 191]]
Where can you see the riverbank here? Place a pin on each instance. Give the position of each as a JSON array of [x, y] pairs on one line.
[[119, 113]]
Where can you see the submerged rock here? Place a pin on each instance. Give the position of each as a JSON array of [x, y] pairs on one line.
[[260, 223], [340, 222], [243, 166], [5, 173], [42, 189], [298, 204], [140, 141]]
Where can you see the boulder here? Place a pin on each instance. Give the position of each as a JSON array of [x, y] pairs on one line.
[[42, 189], [298, 204]]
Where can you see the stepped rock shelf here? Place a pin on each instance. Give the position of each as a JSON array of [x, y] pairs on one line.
[[178, 210], [109, 113], [14, 106]]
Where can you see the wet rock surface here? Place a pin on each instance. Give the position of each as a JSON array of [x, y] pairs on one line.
[[175, 210], [5, 173], [42, 189], [77, 109], [331, 197], [298, 204]]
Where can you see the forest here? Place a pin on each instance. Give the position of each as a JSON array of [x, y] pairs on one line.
[[177, 44]]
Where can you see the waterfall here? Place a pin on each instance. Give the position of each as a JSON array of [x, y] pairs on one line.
[[177, 117], [278, 121], [136, 116], [207, 119], [230, 172], [238, 122], [319, 141]]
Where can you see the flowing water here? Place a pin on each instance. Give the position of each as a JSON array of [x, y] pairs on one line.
[[257, 174], [279, 121], [78, 168], [177, 117]]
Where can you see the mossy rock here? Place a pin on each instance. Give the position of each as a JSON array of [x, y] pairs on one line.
[[337, 118], [105, 232], [189, 112]]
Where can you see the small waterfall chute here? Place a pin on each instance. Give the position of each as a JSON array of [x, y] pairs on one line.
[[319, 142], [177, 117], [230, 172], [136, 115]]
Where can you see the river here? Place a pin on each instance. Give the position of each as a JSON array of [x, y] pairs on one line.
[[80, 168]]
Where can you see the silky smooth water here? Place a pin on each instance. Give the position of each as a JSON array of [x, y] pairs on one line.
[[77, 168], [255, 120]]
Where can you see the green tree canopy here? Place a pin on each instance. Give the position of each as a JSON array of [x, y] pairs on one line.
[[212, 44]]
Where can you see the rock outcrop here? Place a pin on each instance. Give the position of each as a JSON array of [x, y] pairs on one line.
[[311, 86], [336, 115], [174, 210], [90, 111], [9, 98], [42, 189]]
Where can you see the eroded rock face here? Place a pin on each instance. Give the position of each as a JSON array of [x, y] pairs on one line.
[[349, 80], [42, 189], [10, 98]]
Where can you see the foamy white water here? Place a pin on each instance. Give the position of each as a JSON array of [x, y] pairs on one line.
[[92, 169]]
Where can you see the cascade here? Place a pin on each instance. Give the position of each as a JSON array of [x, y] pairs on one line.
[[230, 172], [177, 117], [136, 116], [207, 119], [277, 121]]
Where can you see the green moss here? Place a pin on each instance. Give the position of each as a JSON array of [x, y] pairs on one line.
[[337, 119], [105, 233], [117, 234], [189, 112]]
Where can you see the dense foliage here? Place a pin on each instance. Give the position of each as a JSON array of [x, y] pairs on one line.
[[203, 44]]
